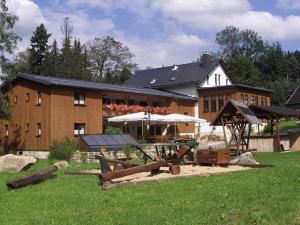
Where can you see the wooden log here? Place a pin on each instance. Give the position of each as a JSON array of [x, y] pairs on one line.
[[114, 161], [175, 169], [133, 170], [32, 178]]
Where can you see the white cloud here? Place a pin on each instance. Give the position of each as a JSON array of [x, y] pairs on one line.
[[288, 4], [29, 15]]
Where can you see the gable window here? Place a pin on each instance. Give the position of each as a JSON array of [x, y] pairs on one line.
[[207, 79], [15, 98], [213, 103], [6, 131], [220, 102], [216, 79], [79, 128], [226, 81], [39, 129], [27, 127], [39, 98], [219, 79], [206, 104], [27, 97], [79, 99]]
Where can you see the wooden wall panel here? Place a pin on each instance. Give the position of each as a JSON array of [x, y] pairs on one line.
[[65, 113], [28, 112]]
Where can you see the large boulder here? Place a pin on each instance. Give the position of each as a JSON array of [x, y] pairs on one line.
[[13, 163], [244, 159]]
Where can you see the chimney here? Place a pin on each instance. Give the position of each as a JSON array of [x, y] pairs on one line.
[[205, 59]]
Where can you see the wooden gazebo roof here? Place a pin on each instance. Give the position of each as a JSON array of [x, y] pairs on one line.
[[235, 109]]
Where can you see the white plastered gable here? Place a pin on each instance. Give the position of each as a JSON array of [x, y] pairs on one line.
[[216, 77]]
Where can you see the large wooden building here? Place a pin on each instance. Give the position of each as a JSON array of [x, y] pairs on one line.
[[48, 109]]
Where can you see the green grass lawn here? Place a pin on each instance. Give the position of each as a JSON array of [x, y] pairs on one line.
[[288, 124], [258, 196]]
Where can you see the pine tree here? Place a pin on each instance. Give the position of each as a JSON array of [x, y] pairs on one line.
[[52, 60], [39, 50]]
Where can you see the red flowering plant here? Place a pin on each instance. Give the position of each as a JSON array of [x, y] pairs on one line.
[[135, 108]]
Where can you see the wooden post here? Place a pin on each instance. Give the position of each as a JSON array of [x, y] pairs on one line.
[[277, 135], [133, 170], [224, 132]]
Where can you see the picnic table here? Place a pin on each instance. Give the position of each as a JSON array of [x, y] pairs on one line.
[[164, 150]]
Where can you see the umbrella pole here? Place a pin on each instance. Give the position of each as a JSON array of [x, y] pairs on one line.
[[143, 129]]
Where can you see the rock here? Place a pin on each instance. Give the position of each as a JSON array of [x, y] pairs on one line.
[[61, 165], [13, 163], [243, 159]]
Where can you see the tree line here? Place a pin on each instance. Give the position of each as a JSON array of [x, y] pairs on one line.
[[256, 62], [102, 59]]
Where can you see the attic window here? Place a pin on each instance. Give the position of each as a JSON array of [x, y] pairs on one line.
[[153, 81], [173, 78], [175, 68]]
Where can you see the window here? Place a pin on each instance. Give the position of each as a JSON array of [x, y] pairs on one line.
[[27, 127], [106, 101], [206, 104], [79, 99], [131, 102], [252, 100], [256, 100], [152, 130], [207, 79], [15, 128], [6, 131], [226, 81], [39, 98], [79, 128], [242, 98], [246, 99], [219, 79], [216, 79], [27, 97], [264, 101], [213, 103], [221, 102], [155, 104], [143, 103], [39, 129], [15, 98], [120, 101]]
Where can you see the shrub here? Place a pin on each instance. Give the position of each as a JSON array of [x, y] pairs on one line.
[[127, 150], [113, 130], [63, 150]]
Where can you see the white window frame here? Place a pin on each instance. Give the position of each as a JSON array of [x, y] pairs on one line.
[[79, 98], [39, 98], [39, 129], [79, 128]]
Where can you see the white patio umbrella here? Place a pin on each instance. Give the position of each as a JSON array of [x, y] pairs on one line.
[[139, 116], [180, 118]]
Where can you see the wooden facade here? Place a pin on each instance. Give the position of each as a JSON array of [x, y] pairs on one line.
[[44, 114], [212, 100]]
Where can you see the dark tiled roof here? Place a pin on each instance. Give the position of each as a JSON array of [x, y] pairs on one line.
[[108, 141], [240, 86], [173, 75], [58, 81], [295, 97], [266, 112]]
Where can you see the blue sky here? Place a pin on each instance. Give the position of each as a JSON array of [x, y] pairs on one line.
[[161, 32]]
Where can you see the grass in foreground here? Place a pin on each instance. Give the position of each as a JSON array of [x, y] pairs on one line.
[[258, 196]]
